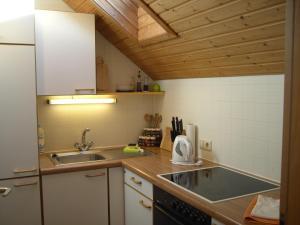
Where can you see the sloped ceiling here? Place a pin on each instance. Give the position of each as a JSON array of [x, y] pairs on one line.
[[215, 37]]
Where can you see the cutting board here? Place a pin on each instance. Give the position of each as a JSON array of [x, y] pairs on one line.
[[166, 142], [102, 78]]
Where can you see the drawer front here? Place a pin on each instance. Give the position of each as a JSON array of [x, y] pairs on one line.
[[138, 209], [139, 183]]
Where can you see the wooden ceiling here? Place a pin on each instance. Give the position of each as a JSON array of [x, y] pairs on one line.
[[214, 37]]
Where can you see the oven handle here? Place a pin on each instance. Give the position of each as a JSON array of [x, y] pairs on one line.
[[168, 214]]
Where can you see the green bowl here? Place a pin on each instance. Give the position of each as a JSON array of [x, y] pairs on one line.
[[156, 87]]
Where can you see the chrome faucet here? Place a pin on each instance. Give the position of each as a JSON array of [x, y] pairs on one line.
[[84, 146]]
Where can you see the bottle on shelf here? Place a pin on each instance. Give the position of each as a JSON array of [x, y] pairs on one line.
[[139, 82], [146, 84]]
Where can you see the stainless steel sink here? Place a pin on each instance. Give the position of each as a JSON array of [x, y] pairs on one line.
[[75, 157], [94, 155]]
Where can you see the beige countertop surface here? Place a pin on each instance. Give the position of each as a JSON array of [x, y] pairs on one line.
[[229, 212]]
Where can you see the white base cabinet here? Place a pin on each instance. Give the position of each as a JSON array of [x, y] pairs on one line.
[[76, 198], [138, 209], [138, 199], [21, 205], [116, 196]]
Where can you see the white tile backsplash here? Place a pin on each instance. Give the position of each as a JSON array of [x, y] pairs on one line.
[[243, 116]]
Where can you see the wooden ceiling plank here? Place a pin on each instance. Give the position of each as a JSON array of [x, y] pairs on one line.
[[130, 4], [153, 14], [243, 48], [247, 41], [235, 26], [244, 59], [129, 13], [150, 1], [215, 10], [227, 39], [193, 9], [230, 25], [195, 24], [119, 18], [161, 6], [268, 68], [248, 34]]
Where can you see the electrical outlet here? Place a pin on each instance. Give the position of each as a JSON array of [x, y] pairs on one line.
[[206, 145]]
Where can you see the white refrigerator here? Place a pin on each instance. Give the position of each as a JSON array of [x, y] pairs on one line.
[[19, 167]]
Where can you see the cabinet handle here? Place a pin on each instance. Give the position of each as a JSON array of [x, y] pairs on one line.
[[26, 184], [84, 89], [145, 205], [4, 191], [25, 170], [134, 180], [95, 175]]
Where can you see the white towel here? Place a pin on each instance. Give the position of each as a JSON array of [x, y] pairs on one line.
[[266, 207]]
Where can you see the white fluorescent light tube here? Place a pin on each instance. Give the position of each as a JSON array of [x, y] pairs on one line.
[[76, 101]]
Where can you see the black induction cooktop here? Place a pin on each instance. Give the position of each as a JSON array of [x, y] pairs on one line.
[[218, 183]]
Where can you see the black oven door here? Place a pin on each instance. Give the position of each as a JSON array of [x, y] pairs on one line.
[[163, 217]]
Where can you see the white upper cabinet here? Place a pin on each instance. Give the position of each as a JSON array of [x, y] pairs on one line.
[[17, 21], [18, 119], [65, 53]]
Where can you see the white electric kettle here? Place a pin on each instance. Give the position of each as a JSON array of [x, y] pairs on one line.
[[183, 152]]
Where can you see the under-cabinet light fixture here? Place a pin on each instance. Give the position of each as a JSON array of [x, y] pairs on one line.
[[77, 101]]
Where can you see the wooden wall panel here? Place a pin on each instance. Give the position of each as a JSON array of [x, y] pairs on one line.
[[290, 195], [220, 37]]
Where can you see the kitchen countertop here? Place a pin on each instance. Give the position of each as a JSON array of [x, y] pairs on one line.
[[229, 212]]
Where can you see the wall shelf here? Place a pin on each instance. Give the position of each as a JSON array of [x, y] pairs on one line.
[[149, 93]]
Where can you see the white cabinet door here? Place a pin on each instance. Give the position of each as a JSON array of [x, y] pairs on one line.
[[22, 204], [138, 209], [17, 21], [116, 196], [76, 198], [65, 53], [18, 129]]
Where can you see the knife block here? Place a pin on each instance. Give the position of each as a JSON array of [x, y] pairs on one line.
[[166, 142]]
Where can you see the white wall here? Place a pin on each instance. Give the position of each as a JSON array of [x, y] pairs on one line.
[[243, 116], [121, 69], [115, 124]]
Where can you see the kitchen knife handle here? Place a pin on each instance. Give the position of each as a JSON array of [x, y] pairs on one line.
[[181, 126], [4, 191]]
